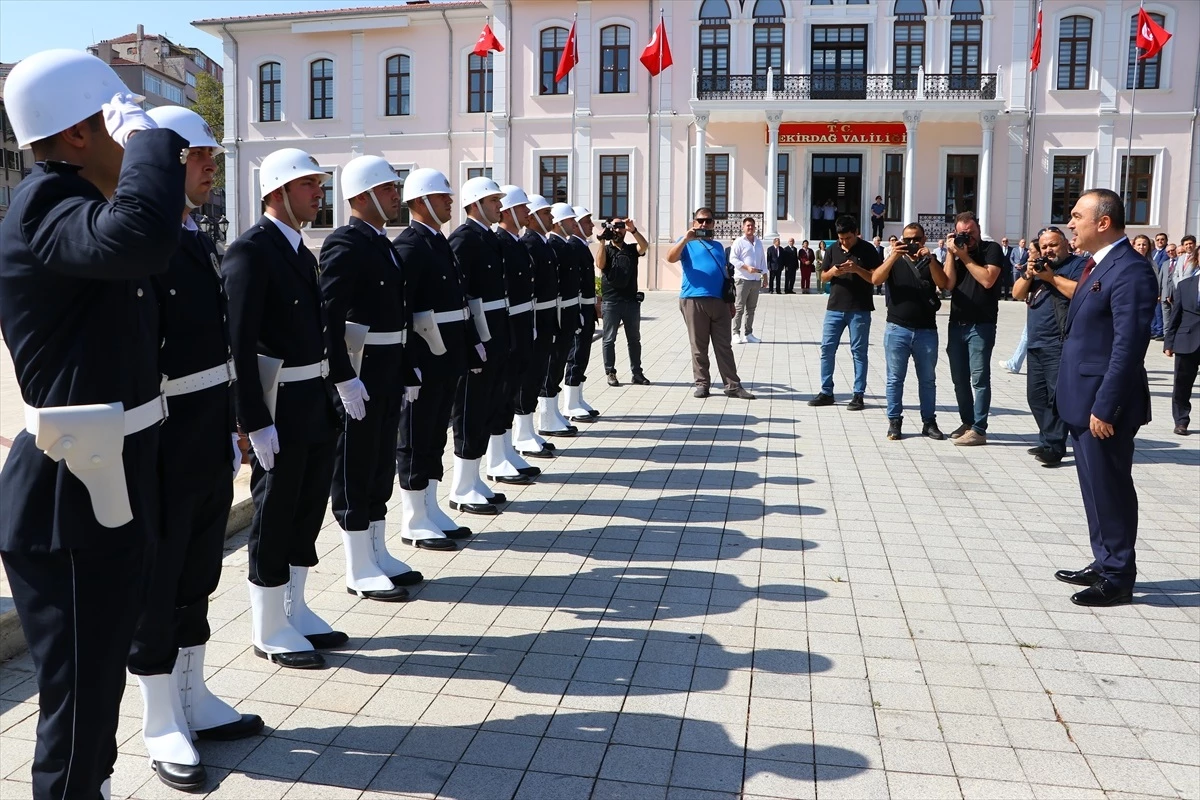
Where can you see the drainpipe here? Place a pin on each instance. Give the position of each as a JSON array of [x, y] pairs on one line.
[[508, 120], [234, 223], [450, 105], [1192, 202]]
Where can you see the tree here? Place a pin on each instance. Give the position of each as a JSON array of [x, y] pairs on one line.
[[210, 104]]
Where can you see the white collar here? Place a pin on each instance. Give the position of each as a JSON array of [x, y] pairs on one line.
[[506, 230], [480, 224], [539, 234], [189, 224], [291, 234], [434, 231], [380, 231], [1099, 255], [580, 238]]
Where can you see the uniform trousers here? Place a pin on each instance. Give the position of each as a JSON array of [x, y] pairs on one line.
[[475, 406], [544, 349], [580, 353], [364, 461], [83, 606], [289, 504], [424, 427], [520, 356], [1105, 468], [552, 384], [773, 283]]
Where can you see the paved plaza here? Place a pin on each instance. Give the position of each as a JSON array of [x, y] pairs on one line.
[[719, 599]]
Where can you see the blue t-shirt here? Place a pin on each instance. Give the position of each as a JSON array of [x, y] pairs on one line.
[[703, 263], [1044, 330]]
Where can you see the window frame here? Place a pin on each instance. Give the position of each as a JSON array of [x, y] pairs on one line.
[[906, 78], [279, 90], [1154, 190], [403, 218], [537, 164], [555, 54], [1073, 64], [616, 49], [627, 196], [1054, 156], [386, 74], [1160, 62], [893, 213], [330, 206], [331, 88], [710, 200], [945, 154], [783, 184], [486, 93]]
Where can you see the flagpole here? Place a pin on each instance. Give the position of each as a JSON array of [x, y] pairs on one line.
[[1130, 202], [571, 187], [1031, 131], [658, 139], [487, 107]]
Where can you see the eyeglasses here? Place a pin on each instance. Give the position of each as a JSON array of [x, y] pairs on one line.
[[704, 220]]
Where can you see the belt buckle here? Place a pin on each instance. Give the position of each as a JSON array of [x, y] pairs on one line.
[[162, 402], [230, 371], [324, 368]]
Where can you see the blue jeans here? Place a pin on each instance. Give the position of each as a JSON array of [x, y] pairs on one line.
[[1156, 323], [899, 343], [969, 350], [1018, 356], [859, 323]]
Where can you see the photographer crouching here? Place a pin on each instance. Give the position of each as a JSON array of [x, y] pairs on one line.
[[1047, 286], [617, 261]]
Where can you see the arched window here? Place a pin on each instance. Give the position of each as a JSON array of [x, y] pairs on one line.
[[768, 41], [397, 86], [1146, 70], [554, 41], [479, 84], [270, 94], [1074, 52], [320, 89], [908, 43], [614, 59], [966, 43], [714, 41]]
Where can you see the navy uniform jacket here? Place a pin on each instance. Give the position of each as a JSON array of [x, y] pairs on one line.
[[1182, 334], [275, 309], [518, 269], [568, 280], [1103, 371], [361, 282], [78, 315], [585, 263], [545, 281], [477, 251]]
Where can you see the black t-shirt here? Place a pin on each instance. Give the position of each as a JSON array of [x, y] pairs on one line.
[[970, 302], [909, 295], [619, 279], [850, 292], [1048, 307]]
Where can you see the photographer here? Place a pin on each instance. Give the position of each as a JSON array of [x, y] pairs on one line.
[[617, 261], [911, 330], [973, 269], [1047, 286]]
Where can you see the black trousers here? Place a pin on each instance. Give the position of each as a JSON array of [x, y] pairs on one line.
[[364, 462], [1105, 468], [424, 429], [544, 350], [520, 356], [78, 609], [475, 405], [1042, 367], [789, 281], [774, 276], [877, 227], [579, 355], [289, 505], [185, 570], [553, 379], [1186, 367]]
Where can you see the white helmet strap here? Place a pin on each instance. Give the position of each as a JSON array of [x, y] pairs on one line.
[[378, 207], [429, 207], [287, 206], [545, 230], [516, 221]]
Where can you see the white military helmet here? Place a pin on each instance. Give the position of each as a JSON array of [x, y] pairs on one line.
[[188, 124], [537, 202], [560, 212], [424, 182], [364, 173], [581, 212], [284, 166], [513, 196], [478, 188], [50, 91]]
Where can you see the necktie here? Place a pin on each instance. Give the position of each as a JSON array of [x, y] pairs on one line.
[[1088, 266]]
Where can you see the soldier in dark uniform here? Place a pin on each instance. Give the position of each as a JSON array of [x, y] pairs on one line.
[[551, 422], [280, 347], [526, 440], [80, 488], [574, 407], [362, 286], [477, 251], [201, 456], [445, 346]]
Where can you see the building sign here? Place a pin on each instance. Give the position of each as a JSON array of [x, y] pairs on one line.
[[873, 133]]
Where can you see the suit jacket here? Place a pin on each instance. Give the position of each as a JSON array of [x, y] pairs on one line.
[[1166, 277], [276, 310], [79, 319], [773, 258], [1102, 371], [811, 257], [433, 282], [1159, 257], [1182, 333], [791, 258], [518, 285]]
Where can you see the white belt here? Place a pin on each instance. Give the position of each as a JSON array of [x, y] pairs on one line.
[[494, 305], [442, 317], [305, 373], [574, 301], [197, 381], [136, 419], [386, 337], [521, 309], [545, 305]]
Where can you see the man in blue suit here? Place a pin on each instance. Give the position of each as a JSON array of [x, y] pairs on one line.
[[1103, 392], [1182, 341]]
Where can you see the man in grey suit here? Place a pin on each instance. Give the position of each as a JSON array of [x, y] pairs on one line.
[[1166, 278]]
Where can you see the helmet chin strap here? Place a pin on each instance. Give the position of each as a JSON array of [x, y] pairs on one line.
[[429, 207], [545, 232], [378, 207], [516, 221], [287, 206]]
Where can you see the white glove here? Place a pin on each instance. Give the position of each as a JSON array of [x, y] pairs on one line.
[[411, 393], [266, 444], [237, 455], [354, 397], [482, 351], [123, 116]]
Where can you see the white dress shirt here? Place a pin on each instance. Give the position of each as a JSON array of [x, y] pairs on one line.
[[291, 234], [746, 253]]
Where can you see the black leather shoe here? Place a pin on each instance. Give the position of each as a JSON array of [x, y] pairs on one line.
[[641, 380], [530, 472], [498, 498], [327, 641], [248, 725], [1181, 430], [570, 430], [184, 777], [431, 544], [549, 446], [701, 392], [894, 433], [1036, 451], [1103, 593], [460, 532], [593, 412], [932, 430], [612, 379], [483, 509], [959, 431], [545, 452], [410, 578], [582, 418], [305, 659], [1049, 458], [1080, 577], [397, 594], [856, 403], [512, 480], [821, 400]]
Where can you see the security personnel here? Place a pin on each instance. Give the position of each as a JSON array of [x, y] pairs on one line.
[[277, 324], [504, 463], [538, 224], [362, 285], [481, 265], [445, 347], [198, 441], [80, 488], [574, 407], [551, 422]]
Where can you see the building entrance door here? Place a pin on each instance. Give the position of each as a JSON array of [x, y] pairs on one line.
[[836, 178]]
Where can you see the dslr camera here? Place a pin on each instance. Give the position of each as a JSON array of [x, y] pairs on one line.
[[606, 233], [912, 246], [962, 240], [1042, 264]]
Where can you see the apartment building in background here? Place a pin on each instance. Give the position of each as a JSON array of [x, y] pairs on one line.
[[14, 162]]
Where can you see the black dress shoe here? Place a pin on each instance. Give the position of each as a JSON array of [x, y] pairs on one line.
[[497, 498], [327, 641], [543, 453], [932, 430], [1049, 458], [641, 380], [1181, 430], [397, 594], [821, 400], [1036, 451], [430, 544], [550, 446], [410, 578], [1080, 577], [305, 659], [512, 480], [588, 418], [570, 430], [184, 777], [593, 412], [1103, 593], [460, 532], [248, 725], [483, 509], [530, 472], [856, 403], [960, 430]]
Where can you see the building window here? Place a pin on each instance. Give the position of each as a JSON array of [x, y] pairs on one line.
[[966, 43], [614, 59], [1135, 189], [1147, 70], [189, 78], [12, 160], [1074, 52], [716, 182], [908, 43], [325, 215], [768, 42], [398, 84], [479, 84], [614, 186], [479, 172], [1066, 187], [820, 2], [838, 59], [201, 61], [783, 180], [270, 96], [553, 177], [320, 89], [152, 84], [893, 186], [554, 41], [858, 2], [962, 178], [402, 218], [714, 41]]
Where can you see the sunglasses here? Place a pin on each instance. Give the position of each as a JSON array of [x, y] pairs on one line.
[[1051, 229], [704, 220]]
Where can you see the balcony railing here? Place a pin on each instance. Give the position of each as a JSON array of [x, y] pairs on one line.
[[728, 225], [846, 86]]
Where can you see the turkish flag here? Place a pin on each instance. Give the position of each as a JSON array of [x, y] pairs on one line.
[[657, 55], [487, 42], [1035, 55], [1150, 35], [570, 57]]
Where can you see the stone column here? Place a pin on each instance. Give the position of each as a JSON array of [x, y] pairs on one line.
[[701, 146], [987, 121], [770, 223], [912, 119]]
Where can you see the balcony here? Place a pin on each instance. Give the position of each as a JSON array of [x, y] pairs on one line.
[[847, 86]]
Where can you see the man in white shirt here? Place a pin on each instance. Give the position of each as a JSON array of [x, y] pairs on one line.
[[749, 260]]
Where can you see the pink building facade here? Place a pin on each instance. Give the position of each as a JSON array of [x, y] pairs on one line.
[[772, 108]]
